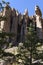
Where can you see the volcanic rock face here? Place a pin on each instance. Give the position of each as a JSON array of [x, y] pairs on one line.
[[17, 23]]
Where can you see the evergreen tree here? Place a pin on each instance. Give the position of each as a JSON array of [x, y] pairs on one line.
[[28, 52]]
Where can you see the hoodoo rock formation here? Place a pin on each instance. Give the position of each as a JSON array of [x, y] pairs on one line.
[[17, 23]]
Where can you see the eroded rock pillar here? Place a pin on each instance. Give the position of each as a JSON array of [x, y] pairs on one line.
[[38, 15]]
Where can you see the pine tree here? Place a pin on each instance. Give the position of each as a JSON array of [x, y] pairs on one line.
[[28, 52]]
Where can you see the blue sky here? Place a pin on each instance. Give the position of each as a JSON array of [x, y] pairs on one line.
[[21, 5]]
